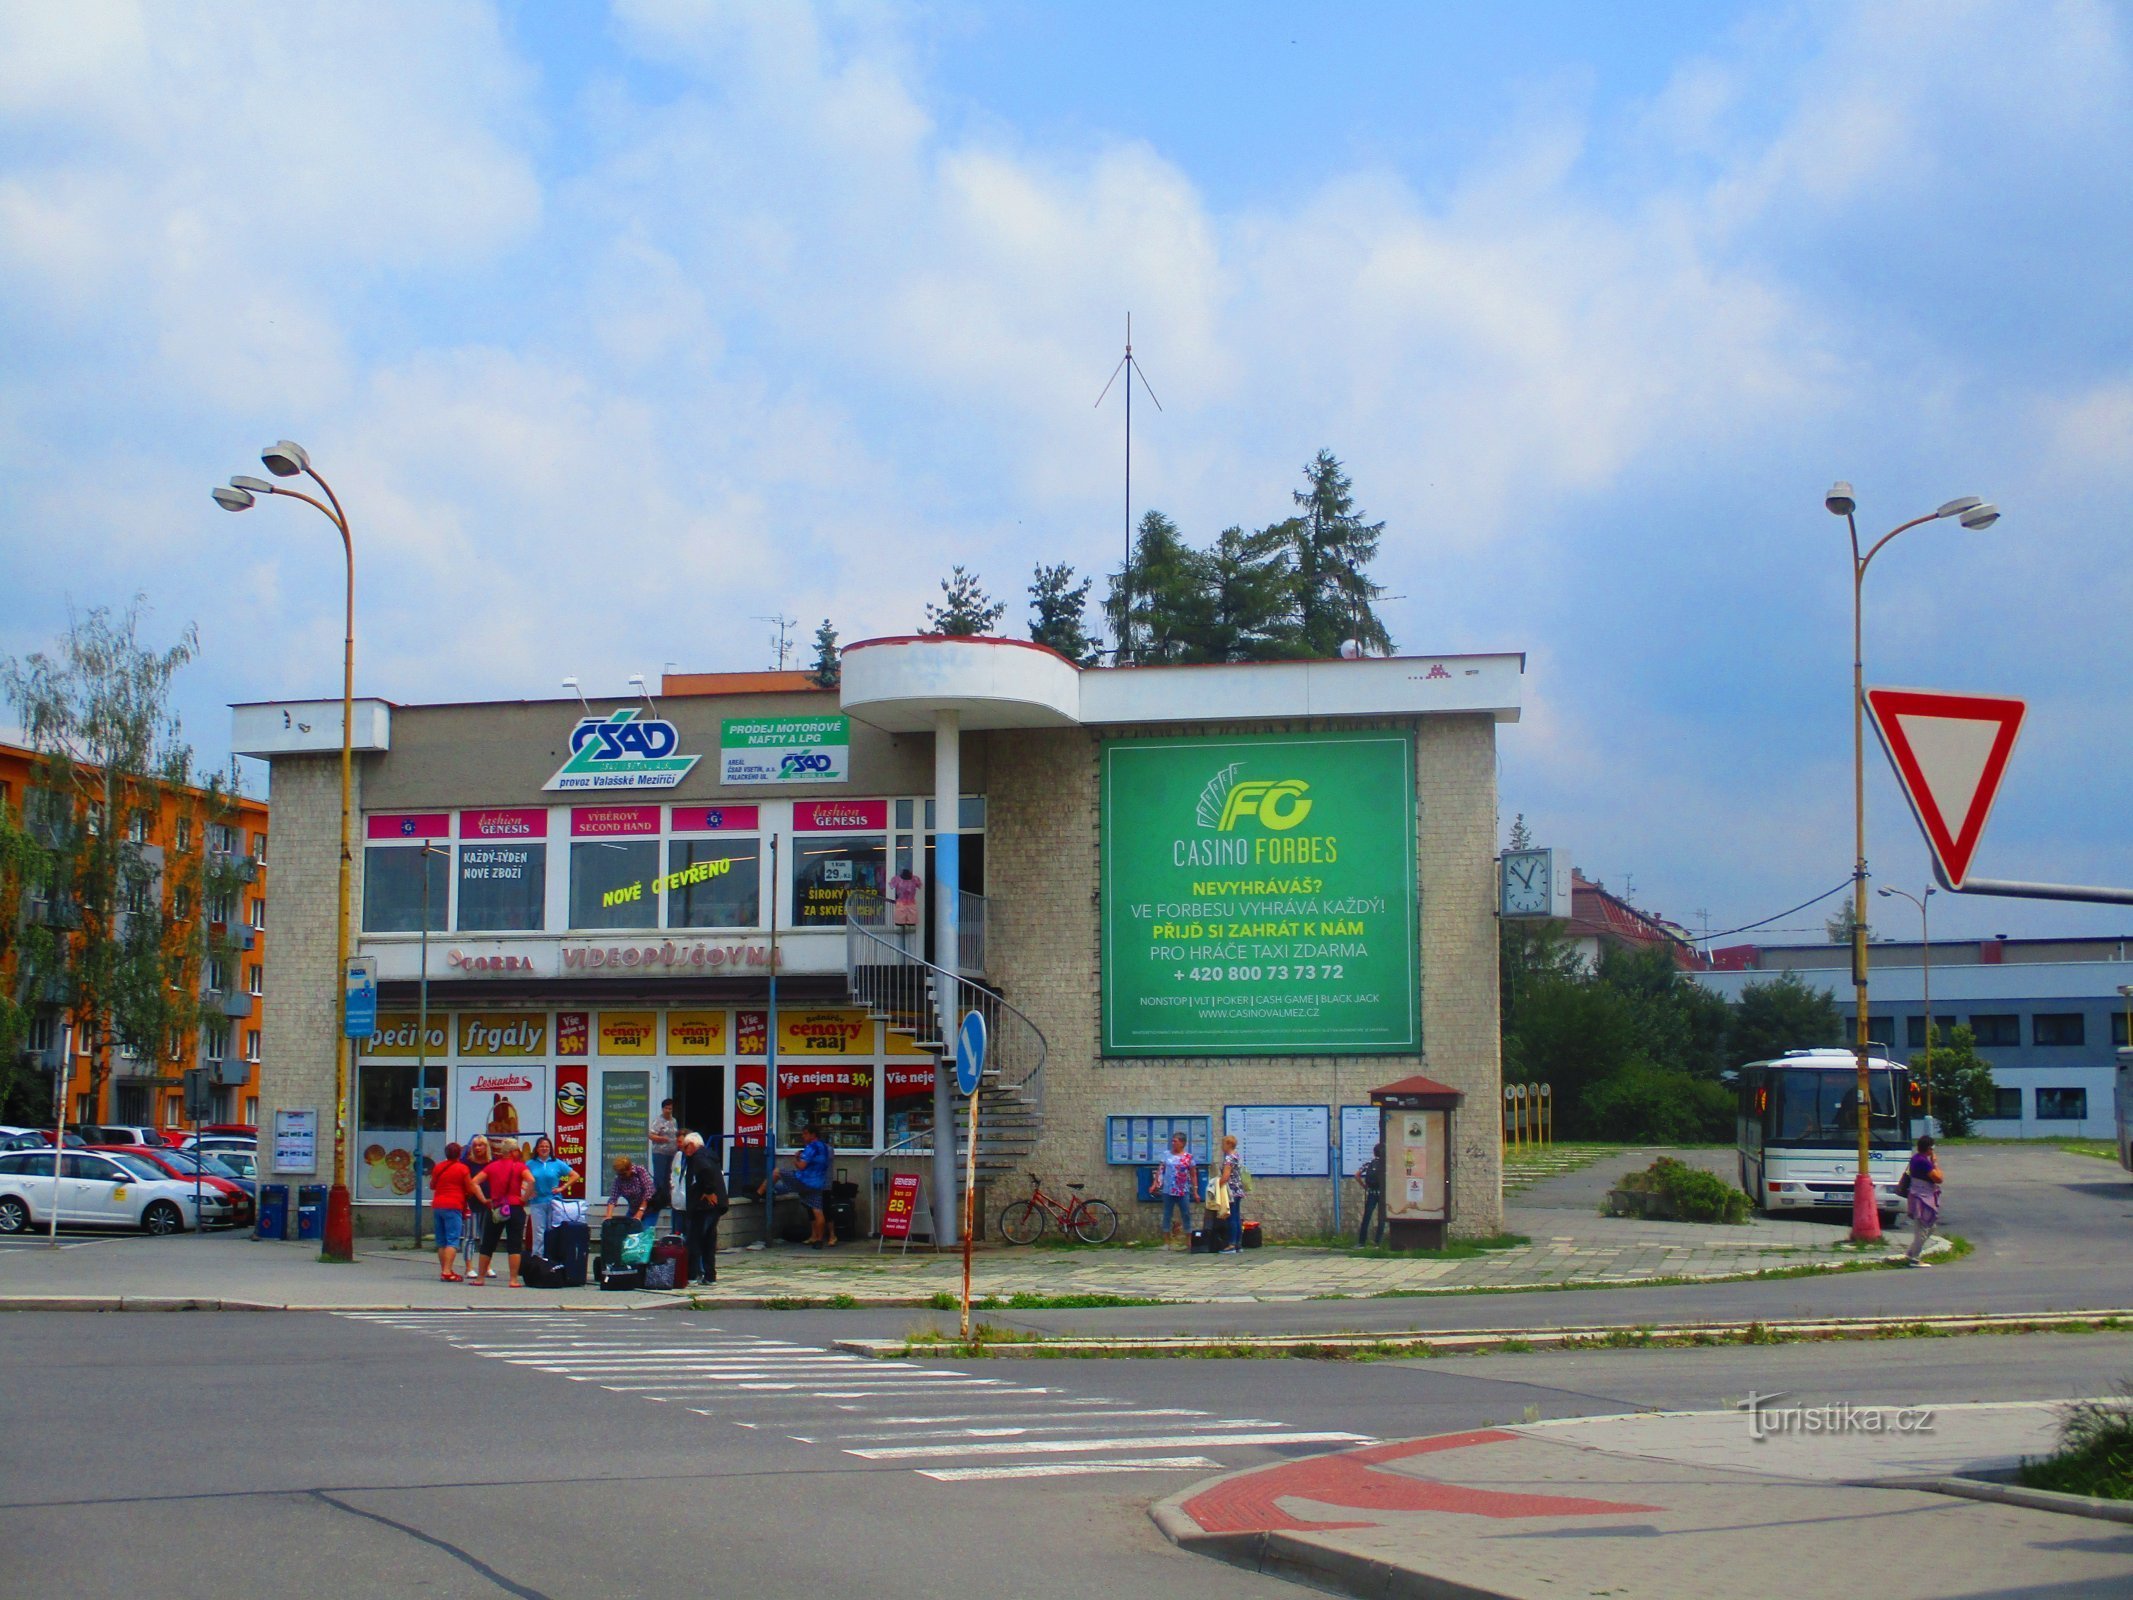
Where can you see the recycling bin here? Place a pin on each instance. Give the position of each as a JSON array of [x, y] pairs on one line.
[[273, 1211], [311, 1211]]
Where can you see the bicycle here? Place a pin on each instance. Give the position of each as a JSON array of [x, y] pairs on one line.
[[1090, 1221]]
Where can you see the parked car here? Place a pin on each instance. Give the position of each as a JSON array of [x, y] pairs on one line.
[[100, 1189], [182, 1164], [13, 1138], [209, 1139], [241, 1165], [122, 1133]]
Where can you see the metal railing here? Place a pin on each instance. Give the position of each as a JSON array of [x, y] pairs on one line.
[[892, 980], [869, 910]]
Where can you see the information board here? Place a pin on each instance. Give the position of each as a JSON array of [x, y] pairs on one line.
[[296, 1141], [1280, 1141], [625, 1117], [1259, 895], [1131, 1141], [1359, 1136]]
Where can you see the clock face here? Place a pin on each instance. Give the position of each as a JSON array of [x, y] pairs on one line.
[[1528, 889]]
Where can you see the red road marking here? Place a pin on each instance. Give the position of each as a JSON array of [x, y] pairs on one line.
[[1250, 1504]]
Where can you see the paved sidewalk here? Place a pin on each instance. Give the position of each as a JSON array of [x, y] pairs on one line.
[[1660, 1505]]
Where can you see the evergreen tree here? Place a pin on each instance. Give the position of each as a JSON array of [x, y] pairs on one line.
[[1058, 606], [1521, 837], [1248, 611], [966, 610], [1330, 544], [1161, 607], [1771, 1018], [828, 670]]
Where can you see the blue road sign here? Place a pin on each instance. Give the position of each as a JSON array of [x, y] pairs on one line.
[[970, 1052], [362, 990]]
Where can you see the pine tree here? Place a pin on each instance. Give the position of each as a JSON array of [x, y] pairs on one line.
[[1249, 614], [1058, 606], [1330, 544], [828, 670], [1161, 607], [967, 611], [1521, 838]]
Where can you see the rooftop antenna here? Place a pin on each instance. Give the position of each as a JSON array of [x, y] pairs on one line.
[[781, 627], [1132, 369], [572, 685], [637, 683]]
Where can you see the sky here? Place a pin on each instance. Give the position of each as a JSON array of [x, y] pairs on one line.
[[622, 330]]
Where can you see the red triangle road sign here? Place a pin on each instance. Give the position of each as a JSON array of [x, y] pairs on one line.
[[1950, 752]]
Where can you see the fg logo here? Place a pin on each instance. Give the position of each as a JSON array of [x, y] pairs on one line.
[[622, 738], [796, 763], [1279, 804]]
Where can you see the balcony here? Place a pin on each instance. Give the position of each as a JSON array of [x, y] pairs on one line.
[[236, 1003]]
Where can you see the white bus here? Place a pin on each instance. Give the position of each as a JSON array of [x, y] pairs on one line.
[[1799, 1129]]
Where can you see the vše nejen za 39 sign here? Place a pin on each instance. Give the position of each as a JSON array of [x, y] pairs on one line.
[[1259, 895]]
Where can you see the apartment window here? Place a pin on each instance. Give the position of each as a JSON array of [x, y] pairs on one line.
[[219, 906], [2003, 1029], [177, 1045], [218, 1041], [251, 1045], [42, 1031], [182, 834], [2062, 1105], [259, 847], [94, 821], [251, 1110], [128, 1050], [1914, 1033], [258, 912], [81, 1108], [134, 895], [218, 974], [2058, 1027], [137, 827], [221, 836], [255, 979], [173, 1111], [181, 903], [1881, 1031]]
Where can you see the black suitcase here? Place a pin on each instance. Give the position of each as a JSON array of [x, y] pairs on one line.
[[1204, 1241], [621, 1277], [541, 1273], [569, 1245], [612, 1232]]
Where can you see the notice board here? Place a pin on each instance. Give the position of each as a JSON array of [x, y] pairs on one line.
[[1280, 1141]]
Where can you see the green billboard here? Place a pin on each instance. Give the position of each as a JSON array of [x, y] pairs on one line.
[[1259, 895]]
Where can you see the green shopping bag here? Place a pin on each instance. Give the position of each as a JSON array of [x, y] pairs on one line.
[[637, 1248]]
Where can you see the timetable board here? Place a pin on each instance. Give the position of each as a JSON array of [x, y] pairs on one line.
[[1133, 1141], [1359, 1136], [1280, 1141]]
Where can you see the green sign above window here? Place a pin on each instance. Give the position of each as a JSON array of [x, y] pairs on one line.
[[1259, 895]]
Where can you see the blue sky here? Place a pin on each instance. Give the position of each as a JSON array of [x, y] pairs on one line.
[[622, 329]]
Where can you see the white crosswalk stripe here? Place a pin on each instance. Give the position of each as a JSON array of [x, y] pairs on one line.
[[944, 1423]]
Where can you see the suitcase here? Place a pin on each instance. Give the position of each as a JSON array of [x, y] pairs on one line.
[[1205, 1241], [568, 1245], [612, 1232], [1252, 1237], [660, 1275], [621, 1277], [672, 1253], [541, 1273]]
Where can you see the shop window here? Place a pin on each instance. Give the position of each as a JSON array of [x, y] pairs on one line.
[[2002, 1029], [2062, 1105], [970, 814], [503, 886], [714, 883], [907, 1093], [385, 1132], [2007, 1105], [837, 1099], [614, 883], [393, 878], [827, 869], [2058, 1028]]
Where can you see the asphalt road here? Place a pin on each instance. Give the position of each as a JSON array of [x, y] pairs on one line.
[[472, 1455]]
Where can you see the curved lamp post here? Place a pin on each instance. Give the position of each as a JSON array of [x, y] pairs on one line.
[[1840, 502], [288, 459]]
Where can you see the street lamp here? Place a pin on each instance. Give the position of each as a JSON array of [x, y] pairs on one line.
[[287, 459], [1840, 502], [1925, 965]]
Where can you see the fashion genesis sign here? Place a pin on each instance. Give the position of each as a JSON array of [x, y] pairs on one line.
[[623, 751], [1259, 895]]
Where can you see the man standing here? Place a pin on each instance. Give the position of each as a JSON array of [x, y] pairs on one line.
[[1176, 1181], [1372, 1178], [664, 1147], [704, 1190]]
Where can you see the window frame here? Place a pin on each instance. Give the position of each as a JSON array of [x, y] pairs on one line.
[[2075, 1096], [2056, 1020]]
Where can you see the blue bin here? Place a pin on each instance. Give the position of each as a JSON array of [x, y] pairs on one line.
[[311, 1211], [273, 1211]]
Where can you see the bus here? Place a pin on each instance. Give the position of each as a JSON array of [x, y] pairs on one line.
[[1798, 1129]]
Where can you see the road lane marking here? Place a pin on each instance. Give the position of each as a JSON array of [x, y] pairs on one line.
[[1030, 1447], [1065, 1469]]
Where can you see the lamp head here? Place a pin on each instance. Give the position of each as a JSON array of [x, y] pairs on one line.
[[254, 485], [231, 498], [1957, 506], [1980, 516], [285, 459], [1840, 500]]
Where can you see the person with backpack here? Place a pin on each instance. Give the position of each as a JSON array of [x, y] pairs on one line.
[[704, 1192], [504, 1186], [1372, 1178], [1920, 1187]]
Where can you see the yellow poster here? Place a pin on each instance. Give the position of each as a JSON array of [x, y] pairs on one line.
[[696, 1033], [503, 1033], [629, 1033], [394, 1037], [825, 1033]]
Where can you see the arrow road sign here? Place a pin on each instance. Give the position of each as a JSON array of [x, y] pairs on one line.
[[970, 1052], [1950, 752]]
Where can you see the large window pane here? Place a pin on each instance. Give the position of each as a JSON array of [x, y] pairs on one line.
[[388, 1164], [392, 889], [611, 883], [713, 883], [827, 868], [502, 887]]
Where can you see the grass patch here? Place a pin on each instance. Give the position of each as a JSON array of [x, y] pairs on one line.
[[2095, 1454], [2101, 1149], [811, 1302], [1029, 1301]]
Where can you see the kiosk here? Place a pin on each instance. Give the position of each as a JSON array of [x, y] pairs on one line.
[[1415, 1122]]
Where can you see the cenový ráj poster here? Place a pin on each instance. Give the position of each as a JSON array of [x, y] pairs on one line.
[[1259, 895]]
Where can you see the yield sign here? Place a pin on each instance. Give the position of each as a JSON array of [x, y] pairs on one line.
[[1949, 752]]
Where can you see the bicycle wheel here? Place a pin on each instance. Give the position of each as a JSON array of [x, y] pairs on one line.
[[1095, 1222], [1021, 1222]]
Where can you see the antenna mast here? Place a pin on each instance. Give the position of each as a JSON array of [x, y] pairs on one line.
[[1132, 370]]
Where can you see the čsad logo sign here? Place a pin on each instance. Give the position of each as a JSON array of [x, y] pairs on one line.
[[620, 751]]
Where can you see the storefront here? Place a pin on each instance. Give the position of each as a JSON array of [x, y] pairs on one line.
[[1227, 897]]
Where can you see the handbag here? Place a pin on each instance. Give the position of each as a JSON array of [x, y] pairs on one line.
[[1218, 1199], [1903, 1184], [637, 1248]]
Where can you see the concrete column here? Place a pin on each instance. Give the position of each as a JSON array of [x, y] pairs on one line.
[[947, 882]]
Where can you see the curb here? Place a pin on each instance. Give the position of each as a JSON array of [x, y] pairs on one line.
[[2014, 1494], [1476, 1340]]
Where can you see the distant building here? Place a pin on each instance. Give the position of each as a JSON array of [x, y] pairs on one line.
[[1602, 921], [2047, 1014]]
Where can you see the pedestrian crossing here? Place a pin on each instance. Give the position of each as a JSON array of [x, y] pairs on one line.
[[944, 1423]]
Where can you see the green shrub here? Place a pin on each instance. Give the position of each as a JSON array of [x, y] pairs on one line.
[[2095, 1454], [1697, 1195], [1646, 1104]]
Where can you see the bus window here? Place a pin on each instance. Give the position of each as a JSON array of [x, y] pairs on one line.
[[1811, 1107]]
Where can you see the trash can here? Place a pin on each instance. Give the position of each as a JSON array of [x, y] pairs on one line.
[[311, 1211], [273, 1211]]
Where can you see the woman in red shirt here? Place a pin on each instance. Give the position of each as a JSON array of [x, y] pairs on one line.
[[505, 1185], [448, 1204]]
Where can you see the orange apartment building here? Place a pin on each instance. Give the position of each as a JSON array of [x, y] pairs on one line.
[[232, 990]]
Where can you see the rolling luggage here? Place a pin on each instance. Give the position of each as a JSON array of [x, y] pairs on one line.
[[671, 1254], [1205, 1241], [568, 1245], [612, 1232], [621, 1277], [541, 1273]]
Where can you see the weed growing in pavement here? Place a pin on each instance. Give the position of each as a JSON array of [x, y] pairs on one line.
[[2095, 1454], [811, 1302]]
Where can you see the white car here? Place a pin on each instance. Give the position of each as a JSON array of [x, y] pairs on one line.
[[99, 1189]]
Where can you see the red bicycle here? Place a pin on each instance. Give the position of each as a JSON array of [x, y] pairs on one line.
[[1090, 1221]]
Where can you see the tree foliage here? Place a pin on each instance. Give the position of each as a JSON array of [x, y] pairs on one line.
[[1771, 1018], [828, 670], [1964, 1093], [1329, 545], [1059, 609], [965, 610]]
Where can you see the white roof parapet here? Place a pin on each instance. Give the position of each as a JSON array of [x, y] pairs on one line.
[[269, 728], [897, 684]]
